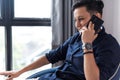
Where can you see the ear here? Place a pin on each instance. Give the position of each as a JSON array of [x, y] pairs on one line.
[[98, 15]]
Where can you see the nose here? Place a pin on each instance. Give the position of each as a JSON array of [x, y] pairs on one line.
[[78, 23]]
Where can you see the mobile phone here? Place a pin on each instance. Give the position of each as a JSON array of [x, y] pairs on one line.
[[97, 23]]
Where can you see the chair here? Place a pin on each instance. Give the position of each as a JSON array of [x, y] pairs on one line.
[[115, 76]]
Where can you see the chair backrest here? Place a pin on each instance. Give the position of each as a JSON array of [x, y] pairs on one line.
[[116, 75]]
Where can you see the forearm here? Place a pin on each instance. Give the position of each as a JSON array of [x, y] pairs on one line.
[[40, 62], [91, 69]]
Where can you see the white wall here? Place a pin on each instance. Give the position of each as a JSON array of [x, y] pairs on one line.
[[111, 16]]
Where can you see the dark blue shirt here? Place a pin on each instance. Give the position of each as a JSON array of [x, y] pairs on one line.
[[106, 52]]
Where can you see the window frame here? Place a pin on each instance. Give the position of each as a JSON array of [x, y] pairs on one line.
[[8, 20]]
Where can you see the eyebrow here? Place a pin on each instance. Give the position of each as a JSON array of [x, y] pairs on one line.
[[81, 17]]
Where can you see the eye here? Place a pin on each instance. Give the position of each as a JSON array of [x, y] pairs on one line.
[[80, 19]]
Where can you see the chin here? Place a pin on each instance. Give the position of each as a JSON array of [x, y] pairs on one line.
[[78, 28]]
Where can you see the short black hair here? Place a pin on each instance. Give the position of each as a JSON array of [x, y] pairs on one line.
[[91, 5]]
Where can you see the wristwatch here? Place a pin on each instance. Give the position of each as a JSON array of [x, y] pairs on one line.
[[87, 46]]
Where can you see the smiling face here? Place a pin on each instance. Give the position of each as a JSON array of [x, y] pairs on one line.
[[81, 17]]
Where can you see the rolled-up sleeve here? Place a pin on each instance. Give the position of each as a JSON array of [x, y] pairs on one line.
[[59, 53]]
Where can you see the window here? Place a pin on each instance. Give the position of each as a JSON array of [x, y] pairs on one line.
[[24, 25], [29, 43], [33, 8], [2, 50]]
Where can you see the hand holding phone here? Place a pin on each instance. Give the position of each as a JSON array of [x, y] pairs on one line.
[[97, 23]]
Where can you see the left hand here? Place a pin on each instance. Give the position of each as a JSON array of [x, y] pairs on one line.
[[88, 34], [10, 74]]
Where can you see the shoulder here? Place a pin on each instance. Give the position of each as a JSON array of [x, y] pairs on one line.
[[110, 40], [74, 37], [107, 42]]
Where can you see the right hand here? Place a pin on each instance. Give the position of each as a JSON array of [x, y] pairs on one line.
[[88, 34], [10, 74]]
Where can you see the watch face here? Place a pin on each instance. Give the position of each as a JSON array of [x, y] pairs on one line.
[[88, 46]]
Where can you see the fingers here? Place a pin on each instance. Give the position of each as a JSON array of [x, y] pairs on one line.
[[10, 78], [5, 73], [8, 75], [95, 36], [83, 29], [91, 26]]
